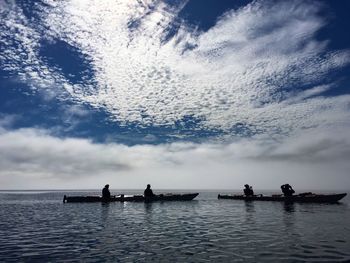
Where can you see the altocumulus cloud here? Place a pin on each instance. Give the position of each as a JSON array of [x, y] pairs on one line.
[[259, 66]]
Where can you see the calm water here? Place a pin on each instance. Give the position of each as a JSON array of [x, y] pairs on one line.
[[38, 227]]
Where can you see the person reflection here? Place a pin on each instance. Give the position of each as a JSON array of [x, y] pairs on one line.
[[289, 207], [148, 207], [250, 213], [249, 206], [104, 211]]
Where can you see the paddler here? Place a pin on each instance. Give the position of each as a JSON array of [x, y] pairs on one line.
[[287, 190], [248, 190], [106, 194], [148, 191]]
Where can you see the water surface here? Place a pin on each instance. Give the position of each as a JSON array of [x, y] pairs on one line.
[[37, 226]]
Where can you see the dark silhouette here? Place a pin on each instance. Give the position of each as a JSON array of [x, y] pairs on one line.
[[248, 190], [105, 192], [287, 190], [148, 191]]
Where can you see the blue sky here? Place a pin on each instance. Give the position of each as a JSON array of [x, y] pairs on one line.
[[180, 94]]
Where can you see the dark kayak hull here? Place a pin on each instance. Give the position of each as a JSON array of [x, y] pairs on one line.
[[129, 198], [331, 198]]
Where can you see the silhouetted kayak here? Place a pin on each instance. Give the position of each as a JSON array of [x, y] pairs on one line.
[[302, 198], [129, 198]]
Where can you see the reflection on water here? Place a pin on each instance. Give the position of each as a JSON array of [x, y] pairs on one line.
[[205, 230], [289, 207], [250, 214], [104, 211], [249, 205], [148, 207]]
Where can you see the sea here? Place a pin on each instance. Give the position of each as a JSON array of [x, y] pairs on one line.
[[36, 226]]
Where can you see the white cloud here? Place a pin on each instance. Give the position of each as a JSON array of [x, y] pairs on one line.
[[249, 68], [31, 158]]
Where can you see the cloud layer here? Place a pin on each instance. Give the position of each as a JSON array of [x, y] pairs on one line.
[[259, 73], [32, 158], [259, 70]]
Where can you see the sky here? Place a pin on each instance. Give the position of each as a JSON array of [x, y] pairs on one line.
[[181, 94]]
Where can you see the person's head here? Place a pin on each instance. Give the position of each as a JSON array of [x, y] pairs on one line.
[[107, 186], [148, 186], [246, 185]]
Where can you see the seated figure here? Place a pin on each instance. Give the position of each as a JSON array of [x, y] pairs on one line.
[[248, 190], [287, 190], [148, 191], [105, 192]]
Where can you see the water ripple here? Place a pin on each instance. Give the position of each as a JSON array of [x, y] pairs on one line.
[[40, 227]]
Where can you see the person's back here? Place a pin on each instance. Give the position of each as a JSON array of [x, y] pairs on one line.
[[105, 192], [251, 192], [148, 191], [248, 190], [287, 190]]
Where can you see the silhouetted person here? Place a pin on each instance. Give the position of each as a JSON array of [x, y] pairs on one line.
[[148, 191], [248, 190], [287, 190], [105, 192]]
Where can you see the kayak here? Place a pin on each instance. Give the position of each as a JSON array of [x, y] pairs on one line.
[[129, 198], [301, 198]]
